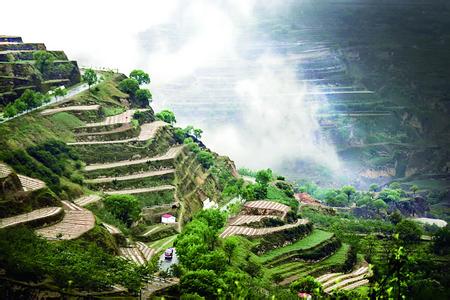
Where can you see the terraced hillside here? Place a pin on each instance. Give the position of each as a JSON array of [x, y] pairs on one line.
[[19, 70], [289, 254]]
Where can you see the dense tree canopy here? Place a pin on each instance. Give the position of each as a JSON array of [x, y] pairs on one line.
[[123, 207], [129, 86], [140, 76], [408, 231], [43, 59], [166, 116], [143, 97]]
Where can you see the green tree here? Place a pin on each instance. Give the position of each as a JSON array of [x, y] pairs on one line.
[[230, 246], [441, 241], [395, 217], [379, 204], [43, 59], [140, 76], [90, 77], [205, 158], [414, 188], [408, 231], [340, 200], [10, 111], [129, 86], [373, 187], [123, 207], [368, 246], [394, 185], [59, 91], [32, 99], [260, 191], [389, 195], [307, 284], [264, 176], [349, 190], [166, 116], [202, 282], [214, 218], [393, 283], [198, 133], [143, 97]]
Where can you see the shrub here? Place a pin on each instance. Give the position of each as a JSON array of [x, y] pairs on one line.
[[166, 116], [123, 207], [142, 98], [129, 86], [43, 59], [144, 116], [205, 158], [140, 76], [306, 284], [408, 231]]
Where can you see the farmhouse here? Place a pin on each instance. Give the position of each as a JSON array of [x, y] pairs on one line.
[[168, 219]]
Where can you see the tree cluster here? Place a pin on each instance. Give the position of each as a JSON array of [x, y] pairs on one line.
[[29, 100], [139, 97], [213, 268]]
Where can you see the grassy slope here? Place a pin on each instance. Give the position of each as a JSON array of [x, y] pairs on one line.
[[304, 268], [312, 240]]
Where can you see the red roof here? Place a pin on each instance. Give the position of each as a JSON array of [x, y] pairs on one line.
[[167, 216]]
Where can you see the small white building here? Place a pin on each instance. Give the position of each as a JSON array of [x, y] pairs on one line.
[[207, 204], [168, 219]]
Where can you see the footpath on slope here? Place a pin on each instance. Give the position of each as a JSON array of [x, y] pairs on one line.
[[73, 91], [51, 111], [336, 281], [122, 118], [249, 231], [140, 253], [148, 131], [40, 214], [170, 154], [141, 190], [131, 177], [76, 221]]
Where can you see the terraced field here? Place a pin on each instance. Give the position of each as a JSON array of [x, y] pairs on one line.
[[335, 281], [139, 253], [112, 229], [309, 242], [121, 118], [148, 131], [246, 219], [38, 215], [31, 184], [249, 231], [141, 190], [169, 155], [290, 272], [76, 221], [86, 200]]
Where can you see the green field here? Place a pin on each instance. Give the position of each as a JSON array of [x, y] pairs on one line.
[[297, 269], [311, 241]]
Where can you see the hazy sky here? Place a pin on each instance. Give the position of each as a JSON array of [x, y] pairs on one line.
[[131, 34]]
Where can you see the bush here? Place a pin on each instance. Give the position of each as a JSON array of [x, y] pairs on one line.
[[144, 116], [306, 284], [123, 207], [408, 231], [129, 86], [79, 264], [166, 116], [142, 98], [205, 158]]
